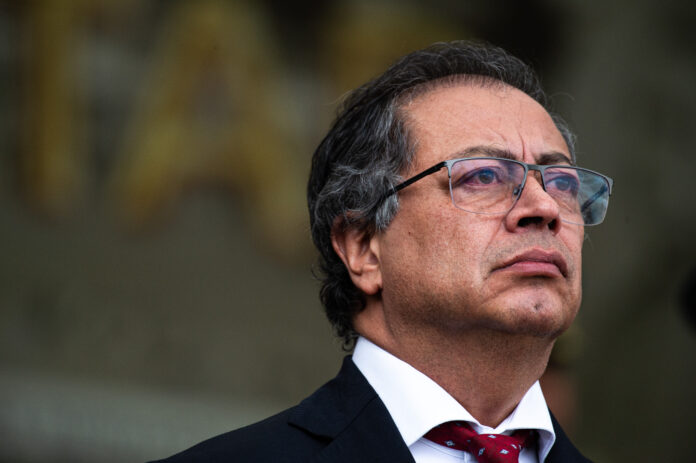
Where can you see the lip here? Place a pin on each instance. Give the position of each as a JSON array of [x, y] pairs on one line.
[[537, 262]]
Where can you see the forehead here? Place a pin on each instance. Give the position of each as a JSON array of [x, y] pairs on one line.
[[446, 121]]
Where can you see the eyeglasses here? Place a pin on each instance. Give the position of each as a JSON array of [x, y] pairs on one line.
[[492, 186]]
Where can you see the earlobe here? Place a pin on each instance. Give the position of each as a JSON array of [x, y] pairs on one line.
[[359, 251]]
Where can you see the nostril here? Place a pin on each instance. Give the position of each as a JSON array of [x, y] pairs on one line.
[[537, 221], [527, 221]]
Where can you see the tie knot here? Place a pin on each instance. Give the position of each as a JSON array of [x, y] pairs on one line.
[[486, 448]]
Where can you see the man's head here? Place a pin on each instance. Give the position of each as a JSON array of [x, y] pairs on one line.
[[429, 107]]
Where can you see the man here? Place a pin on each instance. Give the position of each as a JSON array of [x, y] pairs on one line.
[[449, 218]]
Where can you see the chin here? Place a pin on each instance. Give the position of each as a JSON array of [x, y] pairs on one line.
[[537, 310], [535, 319], [539, 320]]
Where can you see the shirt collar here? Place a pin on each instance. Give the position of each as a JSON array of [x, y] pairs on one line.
[[417, 404]]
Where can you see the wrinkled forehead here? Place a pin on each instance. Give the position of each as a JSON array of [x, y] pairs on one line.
[[445, 121]]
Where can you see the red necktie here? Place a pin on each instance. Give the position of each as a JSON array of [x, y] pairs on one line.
[[486, 448]]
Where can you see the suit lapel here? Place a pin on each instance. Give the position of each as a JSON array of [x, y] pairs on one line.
[[372, 437], [563, 451], [347, 412]]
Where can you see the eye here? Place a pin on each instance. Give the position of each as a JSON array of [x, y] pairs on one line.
[[485, 176], [564, 183], [480, 177]]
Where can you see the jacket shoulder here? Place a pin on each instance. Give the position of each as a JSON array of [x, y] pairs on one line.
[[343, 420]]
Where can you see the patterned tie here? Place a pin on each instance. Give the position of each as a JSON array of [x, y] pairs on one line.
[[486, 448]]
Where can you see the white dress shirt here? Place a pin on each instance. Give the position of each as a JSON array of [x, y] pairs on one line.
[[417, 404]]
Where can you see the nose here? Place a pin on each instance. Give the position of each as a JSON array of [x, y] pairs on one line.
[[534, 209]]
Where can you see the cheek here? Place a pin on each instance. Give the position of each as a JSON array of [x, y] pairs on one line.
[[574, 242], [462, 246], [439, 244]]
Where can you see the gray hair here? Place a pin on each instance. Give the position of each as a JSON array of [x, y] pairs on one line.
[[369, 146]]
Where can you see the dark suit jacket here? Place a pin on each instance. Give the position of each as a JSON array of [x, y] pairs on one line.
[[343, 421]]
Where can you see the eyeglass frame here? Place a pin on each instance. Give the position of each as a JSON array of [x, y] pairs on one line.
[[527, 167]]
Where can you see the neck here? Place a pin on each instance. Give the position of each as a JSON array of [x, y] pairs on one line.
[[487, 372]]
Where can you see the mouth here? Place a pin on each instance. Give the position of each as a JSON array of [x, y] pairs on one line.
[[536, 262]]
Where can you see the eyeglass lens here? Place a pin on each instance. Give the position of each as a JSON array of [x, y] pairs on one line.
[[492, 185]]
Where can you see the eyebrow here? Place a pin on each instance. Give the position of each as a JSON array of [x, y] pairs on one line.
[[549, 158]]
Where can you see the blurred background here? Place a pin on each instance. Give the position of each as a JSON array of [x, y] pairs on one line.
[[155, 260]]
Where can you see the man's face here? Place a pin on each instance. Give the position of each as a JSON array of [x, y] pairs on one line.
[[448, 269]]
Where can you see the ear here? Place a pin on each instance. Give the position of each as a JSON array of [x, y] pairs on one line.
[[359, 252]]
